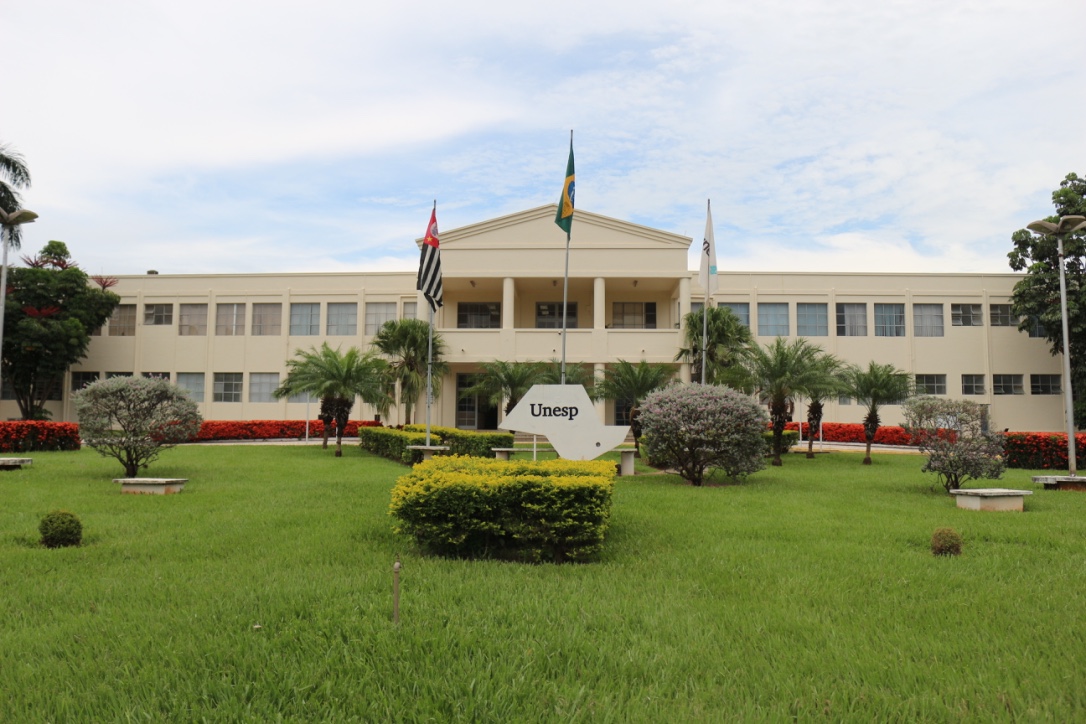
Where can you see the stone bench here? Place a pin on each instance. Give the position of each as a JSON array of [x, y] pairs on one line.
[[503, 453], [14, 463], [991, 498], [428, 451], [1061, 482], [151, 486]]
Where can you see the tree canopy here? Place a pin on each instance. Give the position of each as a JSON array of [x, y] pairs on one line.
[[726, 341], [14, 175], [1037, 296], [878, 385], [49, 314], [406, 343]]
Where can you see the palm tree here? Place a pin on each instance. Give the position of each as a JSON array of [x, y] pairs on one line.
[[816, 398], [337, 378], [626, 381], [14, 168], [876, 386], [508, 381], [781, 372], [405, 342], [576, 374], [727, 338]]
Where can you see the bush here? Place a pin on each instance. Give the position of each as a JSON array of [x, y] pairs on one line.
[[34, 435], [59, 529], [951, 433], [272, 429], [691, 428], [788, 441], [548, 510], [466, 442], [133, 419], [392, 444], [1041, 450], [946, 542]]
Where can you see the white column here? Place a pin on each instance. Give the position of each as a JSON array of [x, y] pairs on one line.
[[599, 303], [508, 289]]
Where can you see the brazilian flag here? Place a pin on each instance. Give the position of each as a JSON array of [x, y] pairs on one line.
[[564, 218]]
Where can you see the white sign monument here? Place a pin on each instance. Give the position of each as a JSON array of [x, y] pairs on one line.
[[565, 415]]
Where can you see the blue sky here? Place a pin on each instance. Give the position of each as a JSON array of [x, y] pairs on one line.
[[274, 136]]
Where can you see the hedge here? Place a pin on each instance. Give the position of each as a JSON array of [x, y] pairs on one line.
[[854, 432], [788, 440], [1041, 450], [466, 442], [392, 444], [524, 510], [272, 429], [35, 435]]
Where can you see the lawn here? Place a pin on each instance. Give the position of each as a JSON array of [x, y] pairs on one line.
[[263, 592]]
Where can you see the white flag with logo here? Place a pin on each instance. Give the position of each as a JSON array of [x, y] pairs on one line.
[[708, 255]]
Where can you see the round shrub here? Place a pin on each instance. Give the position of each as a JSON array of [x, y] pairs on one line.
[[60, 528], [691, 428], [946, 542]]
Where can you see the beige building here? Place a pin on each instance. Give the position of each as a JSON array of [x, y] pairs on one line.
[[226, 337]]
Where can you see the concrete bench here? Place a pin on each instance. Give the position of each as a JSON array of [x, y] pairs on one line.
[[428, 451], [14, 463], [991, 498], [151, 486], [503, 453], [1061, 482]]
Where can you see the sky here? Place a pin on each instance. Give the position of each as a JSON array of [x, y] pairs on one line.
[[280, 136]]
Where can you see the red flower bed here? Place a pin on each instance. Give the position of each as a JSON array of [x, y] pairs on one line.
[[1041, 450], [273, 429], [854, 432], [33, 435]]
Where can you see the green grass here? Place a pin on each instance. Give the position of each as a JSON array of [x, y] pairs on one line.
[[263, 592]]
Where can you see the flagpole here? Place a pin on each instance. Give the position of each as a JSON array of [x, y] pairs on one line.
[[565, 276], [704, 335], [429, 370], [707, 276]]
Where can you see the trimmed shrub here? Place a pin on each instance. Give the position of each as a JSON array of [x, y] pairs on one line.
[[1041, 450], [59, 529], [691, 428], [788, 441], [466, 442], [34, 435], [524, 510], [946, 542], [392, 444]]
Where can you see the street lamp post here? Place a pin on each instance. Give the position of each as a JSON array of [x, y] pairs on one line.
[[8, 222], [1067, 225]]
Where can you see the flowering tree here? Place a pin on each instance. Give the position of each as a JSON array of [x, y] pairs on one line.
[[692, 428], [133, 419], [953, 435]]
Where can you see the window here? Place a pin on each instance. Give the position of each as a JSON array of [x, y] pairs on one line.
[[889, 320], [123, 321], [230, 320], [1007, 385], [193, 384], [696, 307], [377, 313], [1036, 329], [972, 384], [82, 379], [156, 375], [931, 384], [633, 315], [548, 315], [227, 387], [1000, 315], [478, 315], [262, 385], [467, 407], [812, 320], [157, 314], [1044, 384], [772, 319], [410, 310], [111, 375], [928, 320], [303, 397], [851, 320], [305, 319], [622, 411], [343, 318], [267, 320], [966, 315], [844, 400], [741, 310], [192, 320]]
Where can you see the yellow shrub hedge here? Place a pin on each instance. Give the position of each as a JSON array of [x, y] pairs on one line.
[[547, 510]]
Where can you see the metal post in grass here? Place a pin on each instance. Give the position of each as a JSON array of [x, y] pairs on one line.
[[1067, 225], [396, 591]]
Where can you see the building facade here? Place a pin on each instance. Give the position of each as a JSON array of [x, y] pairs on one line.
[[226, 337]]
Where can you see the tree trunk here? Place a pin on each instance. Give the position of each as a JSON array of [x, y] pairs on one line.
[[778, 413], [814, 421]]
